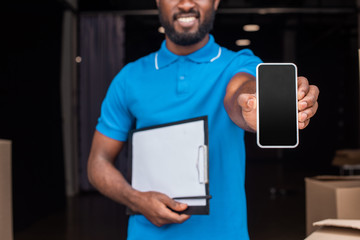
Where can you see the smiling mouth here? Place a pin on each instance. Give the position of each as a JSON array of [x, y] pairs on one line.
[[186, 19], [192, 15]]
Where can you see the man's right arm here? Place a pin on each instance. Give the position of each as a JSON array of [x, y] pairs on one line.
[[109, 181]]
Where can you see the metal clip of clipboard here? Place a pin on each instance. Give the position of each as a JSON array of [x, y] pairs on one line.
[[202, 164]]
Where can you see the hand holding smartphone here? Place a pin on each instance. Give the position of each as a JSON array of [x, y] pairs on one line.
[[277, 111]]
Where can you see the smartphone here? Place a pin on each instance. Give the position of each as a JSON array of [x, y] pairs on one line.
[[277, 111]]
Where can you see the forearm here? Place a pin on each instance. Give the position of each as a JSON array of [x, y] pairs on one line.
[[104, 176], [109, 181], [240, 84]]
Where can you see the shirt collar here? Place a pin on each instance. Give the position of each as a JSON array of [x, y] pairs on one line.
[[209, 53]]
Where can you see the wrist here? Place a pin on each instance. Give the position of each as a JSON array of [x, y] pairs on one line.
[[132, 199]]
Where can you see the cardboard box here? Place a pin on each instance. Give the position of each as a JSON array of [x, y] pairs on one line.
[[335, 229], [346, 157], [331, 197], [6, 225]]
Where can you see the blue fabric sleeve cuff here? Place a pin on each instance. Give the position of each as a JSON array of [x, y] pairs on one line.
[[112, 133]]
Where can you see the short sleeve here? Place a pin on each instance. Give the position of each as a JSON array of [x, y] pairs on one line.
[[115, 119], [245, 61]]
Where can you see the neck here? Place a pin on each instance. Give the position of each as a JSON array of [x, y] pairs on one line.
[[185, 50]]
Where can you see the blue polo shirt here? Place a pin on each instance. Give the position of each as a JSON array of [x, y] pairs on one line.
[[163, 87]]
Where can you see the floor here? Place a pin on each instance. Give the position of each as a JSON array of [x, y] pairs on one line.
[[88, 216], [276, 210], [276, 203]]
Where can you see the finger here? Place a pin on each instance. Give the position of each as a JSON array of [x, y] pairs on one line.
[[310, 99], [177, 218], [308, 113], [174, 205], [303, 125], [183, 218], [172, 217], [247, 102], [303, 87], [167, 215]]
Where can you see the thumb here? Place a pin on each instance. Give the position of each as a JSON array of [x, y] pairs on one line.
[[174, 205], [247, 102]]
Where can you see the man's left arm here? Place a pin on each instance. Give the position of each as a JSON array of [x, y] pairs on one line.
[[240, 101]]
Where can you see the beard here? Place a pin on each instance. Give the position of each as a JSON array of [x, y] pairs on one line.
[[187, 38]]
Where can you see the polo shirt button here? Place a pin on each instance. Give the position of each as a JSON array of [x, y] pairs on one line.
[[181, 77]]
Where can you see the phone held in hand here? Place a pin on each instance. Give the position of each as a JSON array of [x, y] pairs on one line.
[[277, 111]]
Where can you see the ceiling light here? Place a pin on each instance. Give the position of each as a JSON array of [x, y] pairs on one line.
[[161, 29], [78, 59], [242, 42], [251, 27]]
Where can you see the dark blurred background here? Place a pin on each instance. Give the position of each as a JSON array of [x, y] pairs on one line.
[[54, 73]]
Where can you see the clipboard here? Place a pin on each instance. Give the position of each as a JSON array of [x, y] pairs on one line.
[[172, 159]]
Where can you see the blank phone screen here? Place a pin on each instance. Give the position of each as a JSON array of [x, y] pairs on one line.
[[277, 105]]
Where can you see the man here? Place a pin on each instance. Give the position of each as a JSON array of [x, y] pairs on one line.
[[189, 76]]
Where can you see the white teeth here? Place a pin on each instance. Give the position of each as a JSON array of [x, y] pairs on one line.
[[186, 19]]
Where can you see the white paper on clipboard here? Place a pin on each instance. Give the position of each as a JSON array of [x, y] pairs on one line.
[[172, 159]]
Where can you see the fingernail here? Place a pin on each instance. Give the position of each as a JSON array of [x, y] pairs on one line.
[[303, 105], [303, 117], [302, 94], [251, 103]]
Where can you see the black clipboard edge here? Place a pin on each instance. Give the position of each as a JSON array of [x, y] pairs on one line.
[[192, 210]]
